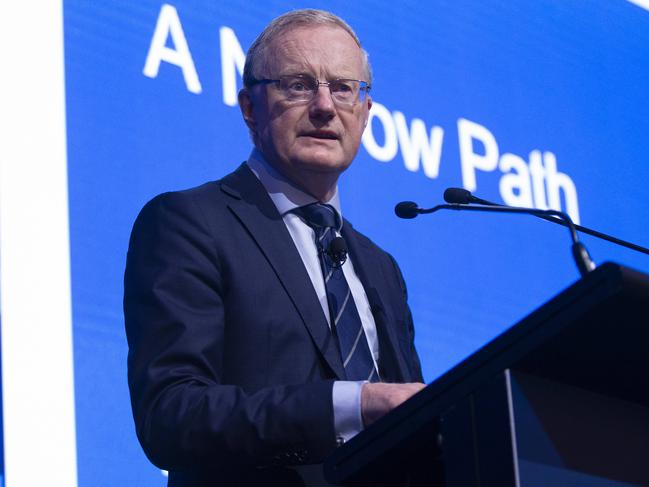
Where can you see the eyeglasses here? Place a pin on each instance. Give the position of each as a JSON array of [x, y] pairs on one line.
[[300, 87]]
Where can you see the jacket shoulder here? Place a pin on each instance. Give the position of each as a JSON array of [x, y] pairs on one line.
[[211, 195]]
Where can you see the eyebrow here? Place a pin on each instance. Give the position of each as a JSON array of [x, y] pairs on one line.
[[316, 78], [301, 69]]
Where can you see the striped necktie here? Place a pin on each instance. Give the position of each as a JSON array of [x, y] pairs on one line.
[[345, 322]]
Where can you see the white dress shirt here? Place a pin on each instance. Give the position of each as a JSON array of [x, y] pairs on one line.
[[286, 197]]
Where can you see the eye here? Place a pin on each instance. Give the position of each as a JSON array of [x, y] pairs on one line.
[[297, 84], [342, 86]]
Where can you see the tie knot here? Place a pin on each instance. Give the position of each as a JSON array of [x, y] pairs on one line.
[[319, 215]]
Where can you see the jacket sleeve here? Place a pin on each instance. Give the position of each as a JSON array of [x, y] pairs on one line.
[[175, 317], [412, 356]]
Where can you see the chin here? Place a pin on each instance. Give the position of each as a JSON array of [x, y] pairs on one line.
[[321, 160], [323, 164]]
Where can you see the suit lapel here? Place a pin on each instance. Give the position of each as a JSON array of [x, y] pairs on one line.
[[366, 265], [257, 213]]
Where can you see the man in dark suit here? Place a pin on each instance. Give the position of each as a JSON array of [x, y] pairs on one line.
[[255, 342]]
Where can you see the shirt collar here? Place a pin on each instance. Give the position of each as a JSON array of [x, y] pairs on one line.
[[285, 195]]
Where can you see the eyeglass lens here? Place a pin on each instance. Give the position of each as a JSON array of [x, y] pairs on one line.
[[304, 88]]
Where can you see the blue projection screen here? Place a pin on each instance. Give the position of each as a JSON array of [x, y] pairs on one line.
[[541, 104]]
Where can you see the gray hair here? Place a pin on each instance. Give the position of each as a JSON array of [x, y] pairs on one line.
[[256, 53]]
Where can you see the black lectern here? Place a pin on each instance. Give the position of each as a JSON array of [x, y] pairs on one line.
[[559, 399]]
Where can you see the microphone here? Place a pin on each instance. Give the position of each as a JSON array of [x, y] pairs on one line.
[[337, 251], [406, 209], [461, 196]]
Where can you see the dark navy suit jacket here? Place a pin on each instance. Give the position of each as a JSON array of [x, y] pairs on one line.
[[231, 361]]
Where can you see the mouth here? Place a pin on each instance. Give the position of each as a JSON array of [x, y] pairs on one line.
[[321, 134]]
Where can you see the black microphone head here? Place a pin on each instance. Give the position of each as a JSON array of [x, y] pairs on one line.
[[337, 251], [457, 196], [406, 209]]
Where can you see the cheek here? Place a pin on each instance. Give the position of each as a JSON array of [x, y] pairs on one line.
[[283, 130], [282, 138], [356, 120], [355, 132]]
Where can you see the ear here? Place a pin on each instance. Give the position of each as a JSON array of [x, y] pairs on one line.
[[368, 103], [245, 104]]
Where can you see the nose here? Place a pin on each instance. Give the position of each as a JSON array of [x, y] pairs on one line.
[[322, 104]]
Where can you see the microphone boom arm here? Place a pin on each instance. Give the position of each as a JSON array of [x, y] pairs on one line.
[[579, 252], [463, 196], [550, 215]]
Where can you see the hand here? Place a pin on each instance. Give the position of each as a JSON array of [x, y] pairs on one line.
[[379, 398]]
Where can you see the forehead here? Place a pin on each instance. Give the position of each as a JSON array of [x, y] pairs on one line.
[[320, 50]]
